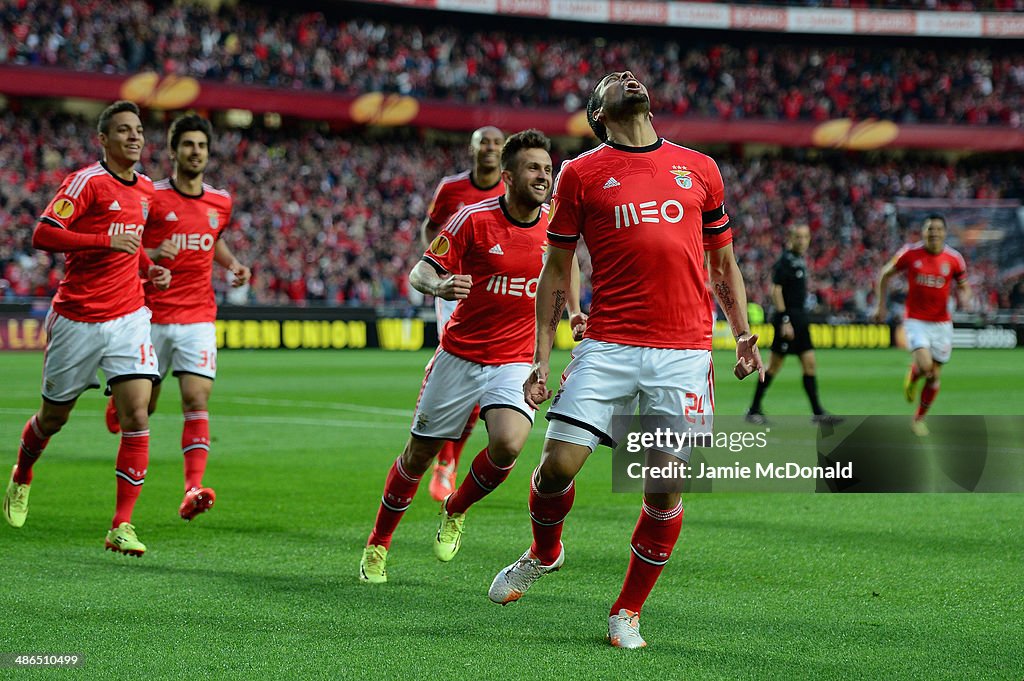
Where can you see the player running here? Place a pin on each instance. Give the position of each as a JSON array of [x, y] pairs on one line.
[[98, 319], [184, 232], [452, 194], [931, 268], [488, 257]]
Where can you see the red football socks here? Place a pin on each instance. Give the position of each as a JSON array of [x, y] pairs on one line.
[[132, 460], [484, 476], [547, 514], [928, 393], [195, 446], [399, 490], [654, 537], [33, 442]]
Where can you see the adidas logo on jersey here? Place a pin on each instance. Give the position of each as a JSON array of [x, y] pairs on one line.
[[115, 205], [171, 217], [612, 182], [496, 250]]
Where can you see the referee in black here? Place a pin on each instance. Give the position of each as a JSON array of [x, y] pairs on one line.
[[792, 329]]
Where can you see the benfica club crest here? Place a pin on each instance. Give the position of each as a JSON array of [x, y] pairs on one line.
[[145, 210], [214, 221], [682, 176], [945, 269]]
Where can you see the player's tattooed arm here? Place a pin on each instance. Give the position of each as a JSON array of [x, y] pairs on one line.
[[552, 294], [727, 280], [557, 307]]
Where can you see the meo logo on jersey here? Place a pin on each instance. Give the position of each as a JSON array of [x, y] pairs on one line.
[[193, 242], [627, 215], [122, 228], [505, 285]]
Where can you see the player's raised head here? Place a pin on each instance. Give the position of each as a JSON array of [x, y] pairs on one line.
[[617, 96], [933, 231], [485, 145]]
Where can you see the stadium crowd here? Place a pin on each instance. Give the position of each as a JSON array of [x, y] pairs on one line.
[[332, 218], [259, 45]]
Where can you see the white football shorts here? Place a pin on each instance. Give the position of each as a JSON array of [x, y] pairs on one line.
[[935, 336], [186, 348], [453, 386], [606, 382], [75, 351]]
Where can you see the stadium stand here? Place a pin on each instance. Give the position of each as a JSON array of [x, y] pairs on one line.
[[975, 83]]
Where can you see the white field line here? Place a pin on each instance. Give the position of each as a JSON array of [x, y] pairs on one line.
[[335, 406], [268, 420]]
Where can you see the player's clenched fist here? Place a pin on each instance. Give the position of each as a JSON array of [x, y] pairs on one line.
[[455, 287], [535, 389], [125, 243], [167, 249], [160, 277]]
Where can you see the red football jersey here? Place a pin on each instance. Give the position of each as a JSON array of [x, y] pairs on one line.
[[194, 223], [457, 191], [647, 215], [101, 284], [495, 324], [929, 280]]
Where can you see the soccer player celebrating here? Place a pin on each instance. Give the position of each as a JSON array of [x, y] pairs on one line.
[[98, 319], [184, 228], [488, 257], [452, 193], [648, 211], [792, 328], [931, 268]]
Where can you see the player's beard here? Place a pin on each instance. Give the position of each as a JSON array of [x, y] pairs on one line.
[[631, 105]]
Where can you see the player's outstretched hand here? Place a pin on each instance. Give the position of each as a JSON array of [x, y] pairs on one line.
[[167, 249], [535, 389], [879, 315], [128, 242], [160, 277], [455, 287], [748, 358], [242, 274], [578, 324]]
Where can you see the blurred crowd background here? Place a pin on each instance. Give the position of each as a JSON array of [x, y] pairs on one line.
[[331, 217]]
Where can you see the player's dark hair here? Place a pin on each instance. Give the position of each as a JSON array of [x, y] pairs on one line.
[[188, 123], [103, 124], [525, 139], [936, 216], [593, 104]]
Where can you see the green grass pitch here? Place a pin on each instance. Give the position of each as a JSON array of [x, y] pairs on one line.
[[761, 586]]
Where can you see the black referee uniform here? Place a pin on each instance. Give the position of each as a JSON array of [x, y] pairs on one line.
[[790, 273]]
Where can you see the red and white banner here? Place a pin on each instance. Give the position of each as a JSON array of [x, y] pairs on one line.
[[745, 17], [174, 93]]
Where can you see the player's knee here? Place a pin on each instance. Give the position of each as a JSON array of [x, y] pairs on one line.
[[192, 403], [554, 474], [504, 450], [135, 418], [418, 454], [51, 422]]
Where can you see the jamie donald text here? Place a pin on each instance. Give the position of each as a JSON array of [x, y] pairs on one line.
[[679, 470]]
